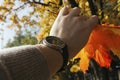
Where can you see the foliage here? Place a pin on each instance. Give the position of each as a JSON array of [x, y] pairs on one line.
[[21, 39], [42, 13]]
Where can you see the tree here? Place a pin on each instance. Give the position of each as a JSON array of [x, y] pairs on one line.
[[33, 10], [22, 40]]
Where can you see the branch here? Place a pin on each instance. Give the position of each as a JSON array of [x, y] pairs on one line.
[[36, 2], [47, 5], [93, 8], [61, 2], [101, 7], [10, 11], [28, 2], [44, 4], [73, 3]]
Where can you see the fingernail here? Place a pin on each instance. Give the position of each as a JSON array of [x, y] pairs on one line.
[[94, 16]]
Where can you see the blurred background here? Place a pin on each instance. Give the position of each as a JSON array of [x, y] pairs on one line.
[[24, 22]]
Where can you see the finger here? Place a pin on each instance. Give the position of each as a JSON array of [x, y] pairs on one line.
[[74, 12], [83, 18], [93, 21], [79, 19], [64, 11]]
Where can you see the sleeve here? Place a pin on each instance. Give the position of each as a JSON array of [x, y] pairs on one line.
[[23, 63]]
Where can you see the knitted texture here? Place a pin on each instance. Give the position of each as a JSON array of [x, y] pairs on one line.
[[24, 63]]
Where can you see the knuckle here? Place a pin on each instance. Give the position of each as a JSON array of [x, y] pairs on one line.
[[77, 19], [76, 9]]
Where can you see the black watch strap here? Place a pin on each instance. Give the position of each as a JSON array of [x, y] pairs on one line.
[[65, 57]]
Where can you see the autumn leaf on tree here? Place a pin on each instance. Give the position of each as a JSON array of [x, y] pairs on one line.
[[103, 39]]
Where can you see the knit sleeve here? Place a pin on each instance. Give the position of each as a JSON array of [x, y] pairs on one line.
[[23, 63]]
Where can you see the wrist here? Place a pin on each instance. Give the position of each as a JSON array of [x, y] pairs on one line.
[[59, 45], [54, 58], [72, 50], [70, 47]]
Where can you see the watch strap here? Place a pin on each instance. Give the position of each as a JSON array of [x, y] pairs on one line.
[[65, 58]]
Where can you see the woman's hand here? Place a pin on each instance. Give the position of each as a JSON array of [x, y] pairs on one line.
[[73, 29]]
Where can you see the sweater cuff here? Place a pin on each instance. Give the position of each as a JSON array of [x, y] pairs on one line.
[[25, 63]]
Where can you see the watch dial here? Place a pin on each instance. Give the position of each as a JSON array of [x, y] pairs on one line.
[[55, 41]]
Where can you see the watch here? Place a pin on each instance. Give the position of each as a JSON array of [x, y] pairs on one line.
[[58, 45]]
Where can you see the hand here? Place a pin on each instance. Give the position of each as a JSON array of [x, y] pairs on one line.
[[73, 29]]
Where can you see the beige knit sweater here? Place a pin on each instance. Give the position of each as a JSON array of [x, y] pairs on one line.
[[23, 63]]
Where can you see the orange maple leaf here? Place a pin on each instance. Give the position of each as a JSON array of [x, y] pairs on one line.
[[103, 39]]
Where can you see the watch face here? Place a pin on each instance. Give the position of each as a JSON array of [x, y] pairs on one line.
[[54, 41]]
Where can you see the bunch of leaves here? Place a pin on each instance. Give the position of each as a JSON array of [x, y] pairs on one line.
[[42, 13], [22, 39], [25, 13]]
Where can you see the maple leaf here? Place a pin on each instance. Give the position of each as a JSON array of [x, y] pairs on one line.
[[103, 39]]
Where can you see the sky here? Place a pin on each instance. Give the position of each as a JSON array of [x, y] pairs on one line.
[[8, 34]]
